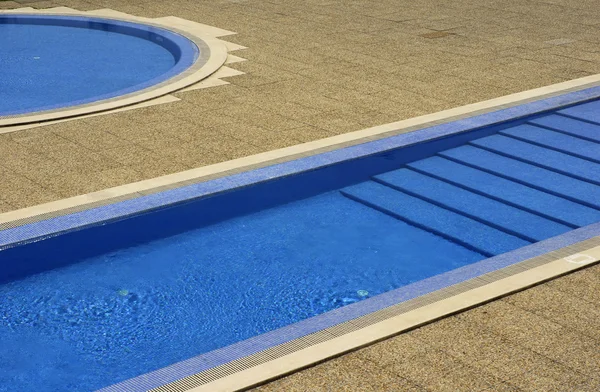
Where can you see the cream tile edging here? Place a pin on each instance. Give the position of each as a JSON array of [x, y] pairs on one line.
[[289, 153], [163, 99], [354, 340], [205, 37]]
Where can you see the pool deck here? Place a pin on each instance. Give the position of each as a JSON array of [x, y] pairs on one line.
[[322, 68]]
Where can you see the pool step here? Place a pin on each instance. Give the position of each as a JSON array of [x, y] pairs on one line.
[[471, 233], [581, 169], [524, 184], [515, 221], [509, 192], [589, 112], [533, 176], [569, 126], [556, 141]]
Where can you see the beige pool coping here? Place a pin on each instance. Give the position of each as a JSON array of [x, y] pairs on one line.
[[140, 188], [361, 64]]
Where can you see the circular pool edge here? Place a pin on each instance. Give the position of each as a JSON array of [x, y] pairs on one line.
[[209, 56]]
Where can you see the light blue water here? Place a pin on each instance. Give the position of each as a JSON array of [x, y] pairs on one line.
[[123, 314], [42, 66]]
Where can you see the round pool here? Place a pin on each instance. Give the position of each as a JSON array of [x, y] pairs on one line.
[[49, 63]]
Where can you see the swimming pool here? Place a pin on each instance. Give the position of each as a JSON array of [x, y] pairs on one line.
[[91, 307], [51, 63]]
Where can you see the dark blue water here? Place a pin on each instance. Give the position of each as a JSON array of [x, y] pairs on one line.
[[108, 318], [123, 314], [42, 66]]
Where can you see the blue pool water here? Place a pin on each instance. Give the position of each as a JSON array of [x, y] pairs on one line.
[[121, 313], [126, 313], [47, 63]]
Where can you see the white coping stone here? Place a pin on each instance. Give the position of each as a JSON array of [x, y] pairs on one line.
[[193, 26], [106, 12], [151, 102], [206, 83], [283, 153], [19, 10], [61, 10], [231, 46], [226, 72], [233, 59]]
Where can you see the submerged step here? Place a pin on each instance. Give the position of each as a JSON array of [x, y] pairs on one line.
[[537, 177], [558, 141], [550, 159], [508, 191], [569, 126], [513, 220], [588, 111], [471, 233]]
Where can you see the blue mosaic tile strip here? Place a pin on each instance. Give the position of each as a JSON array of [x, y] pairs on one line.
[[185, 51], [129, 207], [215, 358]]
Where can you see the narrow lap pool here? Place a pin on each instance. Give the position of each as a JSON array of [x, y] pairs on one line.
[[96, 306], [52, 62]]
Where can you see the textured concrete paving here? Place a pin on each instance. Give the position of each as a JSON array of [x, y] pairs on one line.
[[543, 339], [319, 68], [315, 68]]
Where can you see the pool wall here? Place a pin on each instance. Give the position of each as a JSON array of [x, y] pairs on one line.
[[118, 225], [185, 214]]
